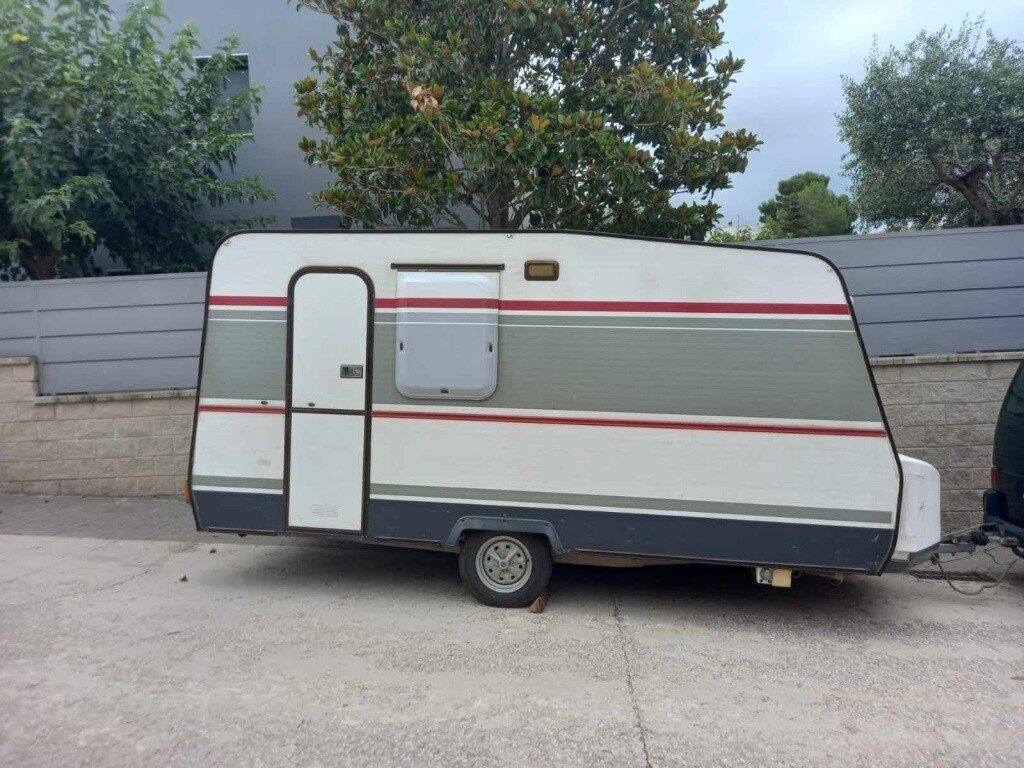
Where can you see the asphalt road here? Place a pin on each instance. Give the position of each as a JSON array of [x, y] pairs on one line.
[[272, 654]]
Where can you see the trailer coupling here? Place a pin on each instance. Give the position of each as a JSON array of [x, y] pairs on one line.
[[966, 542]]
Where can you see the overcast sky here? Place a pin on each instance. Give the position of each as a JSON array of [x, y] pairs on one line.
[[789, 90]]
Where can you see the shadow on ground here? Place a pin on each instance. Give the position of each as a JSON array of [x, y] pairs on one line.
[[352, 571]]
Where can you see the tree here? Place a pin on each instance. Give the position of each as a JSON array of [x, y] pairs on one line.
[[741, 234], [936, 131], [108, 140], [805, 207], [591, 115]]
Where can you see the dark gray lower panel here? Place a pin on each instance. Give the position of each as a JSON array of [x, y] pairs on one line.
[[827, 547], [239, 511], [698, 538]]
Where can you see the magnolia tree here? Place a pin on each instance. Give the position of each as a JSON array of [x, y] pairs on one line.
[[603, 115], [108, 139]]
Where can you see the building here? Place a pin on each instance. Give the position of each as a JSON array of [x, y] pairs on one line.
[[274, 40]]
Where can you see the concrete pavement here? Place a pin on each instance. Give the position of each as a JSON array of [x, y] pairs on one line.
[[272, 654]]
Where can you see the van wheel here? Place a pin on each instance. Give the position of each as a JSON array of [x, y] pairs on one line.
[[507, 570]]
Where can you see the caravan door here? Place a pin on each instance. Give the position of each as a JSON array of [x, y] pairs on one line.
[[328, 403]]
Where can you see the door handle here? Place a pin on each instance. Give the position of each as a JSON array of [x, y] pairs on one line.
[[351, 372]]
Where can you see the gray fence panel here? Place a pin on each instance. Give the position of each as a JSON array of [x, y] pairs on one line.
[[924, 247], [106, 334], [945, 305], [915, 293], [999, 333], [940, 291], [946, 276]]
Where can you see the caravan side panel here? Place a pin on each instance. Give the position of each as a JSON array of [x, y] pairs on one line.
[[659, 398]]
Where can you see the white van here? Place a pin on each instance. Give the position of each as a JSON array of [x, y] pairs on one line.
[[528, 397]]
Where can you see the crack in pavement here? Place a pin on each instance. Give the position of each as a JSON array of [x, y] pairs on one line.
[[633, 700], [113, 585]]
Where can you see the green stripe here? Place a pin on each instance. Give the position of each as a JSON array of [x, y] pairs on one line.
[[245, 314], [244, 361], [541, 499], [728, 372], [709, 373], [238, 482]]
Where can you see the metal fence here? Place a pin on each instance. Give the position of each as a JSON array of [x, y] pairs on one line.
[[106, 334], [915, 293], [939, 291]]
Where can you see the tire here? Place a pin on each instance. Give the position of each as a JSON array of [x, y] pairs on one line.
[[506, 570]]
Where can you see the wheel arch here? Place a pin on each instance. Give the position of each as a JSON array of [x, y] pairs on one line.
[[472, 523]]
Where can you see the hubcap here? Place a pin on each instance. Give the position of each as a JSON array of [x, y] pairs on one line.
[[503, 564]]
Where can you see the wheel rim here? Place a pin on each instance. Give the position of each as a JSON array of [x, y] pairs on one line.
[[503, 564]]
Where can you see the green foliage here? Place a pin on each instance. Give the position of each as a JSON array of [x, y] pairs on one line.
[[742, 234], [108, 140], [509, 113], [805, 207], [936, 132]]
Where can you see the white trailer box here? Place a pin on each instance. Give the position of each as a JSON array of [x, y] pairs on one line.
[[523, 397]]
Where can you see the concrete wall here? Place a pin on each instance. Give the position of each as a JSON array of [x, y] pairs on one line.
[[941, 409], [117, 444]]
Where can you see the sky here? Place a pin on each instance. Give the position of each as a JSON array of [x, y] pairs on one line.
[[789, 90]]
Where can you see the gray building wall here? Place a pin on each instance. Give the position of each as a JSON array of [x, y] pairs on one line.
[[277, 40], [939, 291]]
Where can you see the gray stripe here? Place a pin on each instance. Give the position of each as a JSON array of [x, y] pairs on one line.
[[709, 373], [246, 314], [436, 317], [244, 361], [238, 482], [629, 502], [757, 323], [695, 372]]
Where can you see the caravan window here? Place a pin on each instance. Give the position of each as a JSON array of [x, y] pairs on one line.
[[446, 341]]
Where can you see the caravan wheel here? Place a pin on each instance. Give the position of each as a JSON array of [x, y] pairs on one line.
[[508, 570]]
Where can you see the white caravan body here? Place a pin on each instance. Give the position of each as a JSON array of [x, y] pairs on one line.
[[655, 399]]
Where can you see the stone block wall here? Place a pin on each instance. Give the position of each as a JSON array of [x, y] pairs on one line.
[[942, 409], [115, 444]]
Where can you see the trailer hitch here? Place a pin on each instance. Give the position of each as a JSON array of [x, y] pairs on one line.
[[969, 540]]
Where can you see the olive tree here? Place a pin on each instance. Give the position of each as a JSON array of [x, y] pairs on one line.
[[936, 131]]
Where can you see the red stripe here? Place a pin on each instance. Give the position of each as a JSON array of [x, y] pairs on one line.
[[636, 423], [522, 305], [579, 421], [242, 408], [249, 301]]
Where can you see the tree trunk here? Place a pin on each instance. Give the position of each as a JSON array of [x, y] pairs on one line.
[[497, 206], [40, 264], [968, 187]]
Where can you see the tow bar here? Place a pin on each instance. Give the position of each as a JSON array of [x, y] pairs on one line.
[[966, 542]]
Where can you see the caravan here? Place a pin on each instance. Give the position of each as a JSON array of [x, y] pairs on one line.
[[530, 397]]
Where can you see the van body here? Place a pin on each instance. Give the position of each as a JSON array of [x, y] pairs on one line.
[[535, 396], [1004, 502]]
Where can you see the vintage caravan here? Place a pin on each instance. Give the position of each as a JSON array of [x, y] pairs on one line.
[[531, 397]]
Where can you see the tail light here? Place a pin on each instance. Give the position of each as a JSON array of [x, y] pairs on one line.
[[993, 476]]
